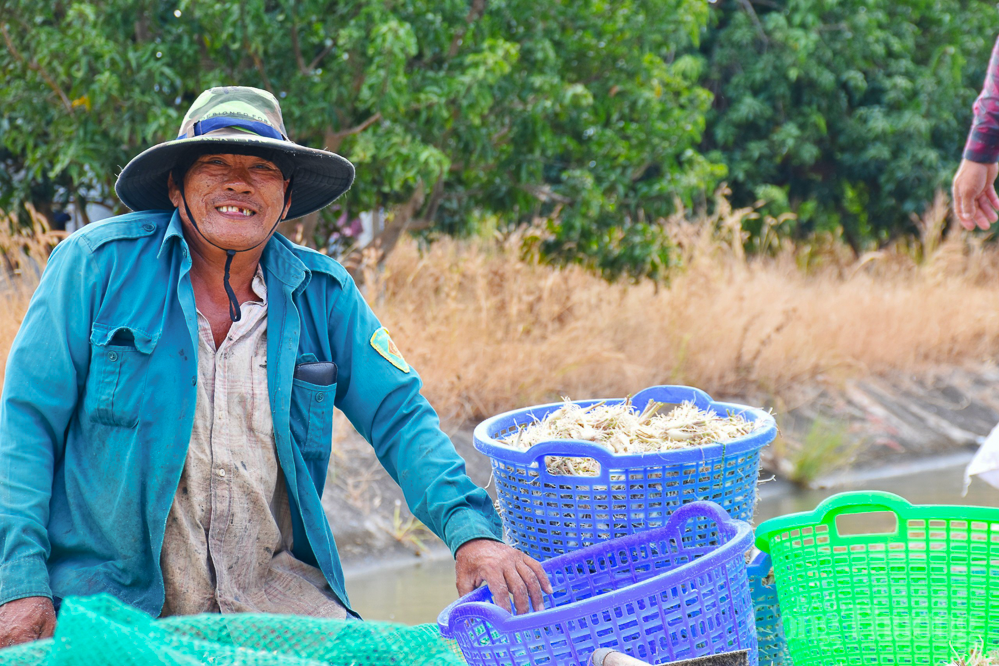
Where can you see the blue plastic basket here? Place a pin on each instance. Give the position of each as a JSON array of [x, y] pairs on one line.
[[769, 630], [650, 595], [546, 515]]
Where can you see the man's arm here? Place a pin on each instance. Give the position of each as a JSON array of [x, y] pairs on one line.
[[983, 139], [45, 369], [25, 620], [975, 198], [383, 402]]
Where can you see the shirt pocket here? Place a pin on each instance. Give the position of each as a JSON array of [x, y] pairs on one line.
[[119, 364], [312, 418]]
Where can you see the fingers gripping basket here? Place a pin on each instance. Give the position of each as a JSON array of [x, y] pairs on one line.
[[920, 593], [655, 595], [546, 515]]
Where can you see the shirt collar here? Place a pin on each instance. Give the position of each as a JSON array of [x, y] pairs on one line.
[[259, 285], [278, 258], [175, 229]]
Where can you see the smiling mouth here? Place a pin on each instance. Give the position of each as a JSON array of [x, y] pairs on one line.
[[235, 210]]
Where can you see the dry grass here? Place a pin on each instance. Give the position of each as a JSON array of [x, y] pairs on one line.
[[22, 256], [489, 331], [977, 657]]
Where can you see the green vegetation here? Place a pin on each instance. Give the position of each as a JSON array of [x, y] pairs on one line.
[[823, 450], [849, 113], [579, 113], [590, 120]]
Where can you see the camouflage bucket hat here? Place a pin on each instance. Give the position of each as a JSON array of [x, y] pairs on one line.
[[238, 120]]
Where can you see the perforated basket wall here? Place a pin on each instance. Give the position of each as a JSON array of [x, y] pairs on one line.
[[920, 594], [546, 515], [769, 631], [655, 595]]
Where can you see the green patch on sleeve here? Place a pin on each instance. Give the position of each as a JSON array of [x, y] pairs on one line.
[[383, 345]]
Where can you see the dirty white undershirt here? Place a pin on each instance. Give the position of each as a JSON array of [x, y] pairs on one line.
[[227, 546]]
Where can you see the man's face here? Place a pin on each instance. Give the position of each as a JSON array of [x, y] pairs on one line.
[[235, 199]]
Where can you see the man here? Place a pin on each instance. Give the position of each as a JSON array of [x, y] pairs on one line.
[[166, 417], [975, 198]]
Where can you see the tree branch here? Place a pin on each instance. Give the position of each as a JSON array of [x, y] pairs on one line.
[[474, 13], [748, 6], [263, 73], [543, 193], [436, 195], [296, 49], [35, 67], [319, 58], [400, 219], [334, 139]]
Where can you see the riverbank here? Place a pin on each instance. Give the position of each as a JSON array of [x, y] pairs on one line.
[[839, 435], [414, 590]]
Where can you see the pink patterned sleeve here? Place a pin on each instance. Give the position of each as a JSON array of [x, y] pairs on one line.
[[983, 140]]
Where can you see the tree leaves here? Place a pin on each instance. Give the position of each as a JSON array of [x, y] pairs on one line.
[[584, 114], [858, 107]]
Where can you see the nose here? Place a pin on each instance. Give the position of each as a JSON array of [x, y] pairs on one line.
[[238, 180]]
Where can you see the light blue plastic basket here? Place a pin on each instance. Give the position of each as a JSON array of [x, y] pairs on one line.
[[546, 515], [769, 630]]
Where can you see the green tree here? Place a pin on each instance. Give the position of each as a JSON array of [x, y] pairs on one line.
[[579, 113], [849, 112]]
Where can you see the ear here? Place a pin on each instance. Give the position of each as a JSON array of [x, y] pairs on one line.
[[173, 191]]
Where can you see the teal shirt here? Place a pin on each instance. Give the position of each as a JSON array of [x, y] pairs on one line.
[[98, 405]]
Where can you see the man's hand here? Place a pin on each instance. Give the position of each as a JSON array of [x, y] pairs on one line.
[[975, 199], [26, 620], [505, 570]]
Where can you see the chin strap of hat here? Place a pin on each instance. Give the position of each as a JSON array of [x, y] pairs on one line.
[[235, 314]]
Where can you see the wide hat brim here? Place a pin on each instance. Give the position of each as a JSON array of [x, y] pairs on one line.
[[319, 176]]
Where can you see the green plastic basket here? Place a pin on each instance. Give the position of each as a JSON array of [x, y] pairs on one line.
[[918, 594]]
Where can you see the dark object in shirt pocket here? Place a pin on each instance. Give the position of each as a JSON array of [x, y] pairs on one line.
[[320, 373], [312, 420]]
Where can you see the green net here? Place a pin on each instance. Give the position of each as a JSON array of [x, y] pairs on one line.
[[101, 630]]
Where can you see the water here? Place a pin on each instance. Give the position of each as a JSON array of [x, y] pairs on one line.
[[416, 593]]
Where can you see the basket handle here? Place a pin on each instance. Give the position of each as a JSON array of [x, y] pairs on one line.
[[571, 448], [759, 567], [860, 502], [484, 610], [671, 395], [698, 509], [831, 508]]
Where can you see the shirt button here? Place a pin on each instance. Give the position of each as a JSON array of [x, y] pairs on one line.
[[320, 397], [221, 472], [112, 356], [147, 227]]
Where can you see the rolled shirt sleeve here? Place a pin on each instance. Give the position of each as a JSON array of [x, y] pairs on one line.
[[983, 140], [43, 378], [384, 403]]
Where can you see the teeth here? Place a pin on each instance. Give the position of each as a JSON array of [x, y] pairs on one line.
[[234, 209]]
